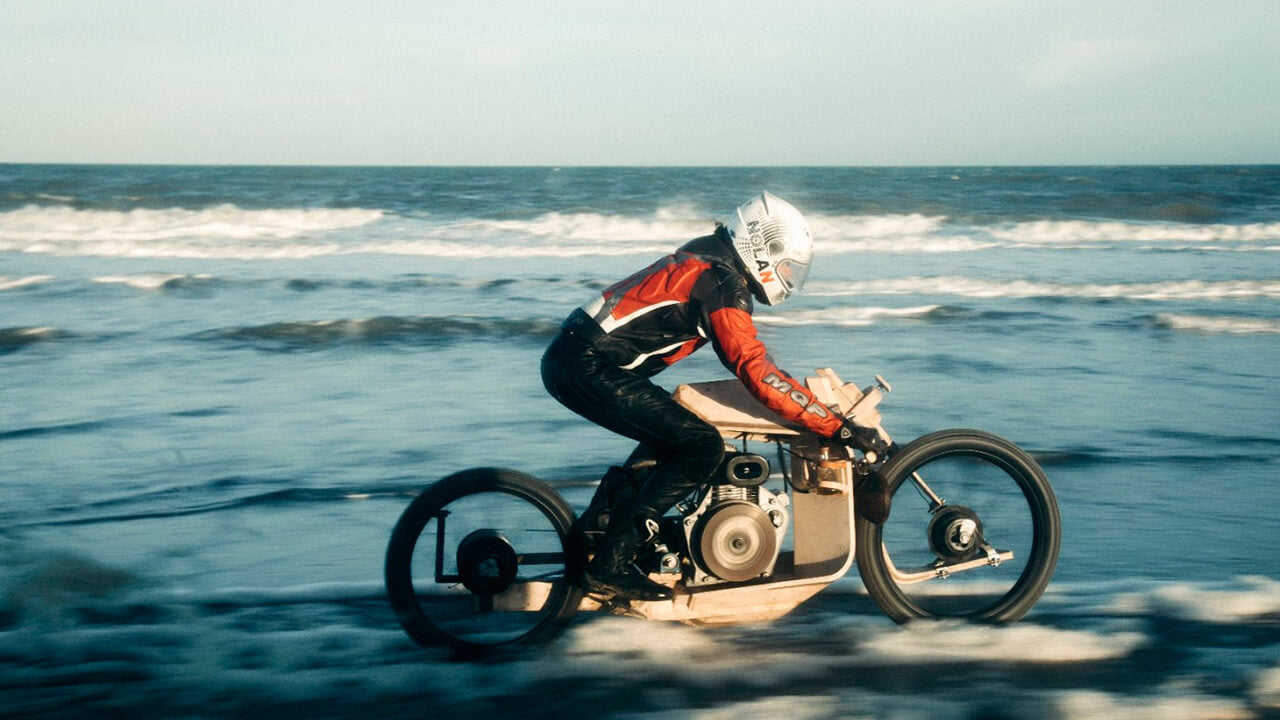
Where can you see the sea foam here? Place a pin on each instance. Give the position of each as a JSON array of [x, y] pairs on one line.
[[1252, 598], [962, 643], [846, 316], [1083, 231], [1266, 688], [1214, 324], [672, 224], [35, 223], [154, 281], [984, 288], [1172, 703], [7, 283], [231, 232]]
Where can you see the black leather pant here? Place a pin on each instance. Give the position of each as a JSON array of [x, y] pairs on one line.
[[687, 448]]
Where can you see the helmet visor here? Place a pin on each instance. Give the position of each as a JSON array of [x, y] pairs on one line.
[[793, 274]]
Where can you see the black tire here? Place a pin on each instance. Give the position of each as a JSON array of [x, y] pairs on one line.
[[1005, 487], [438, 607]]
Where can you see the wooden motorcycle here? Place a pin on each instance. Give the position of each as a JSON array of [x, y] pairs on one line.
[[489, 557]]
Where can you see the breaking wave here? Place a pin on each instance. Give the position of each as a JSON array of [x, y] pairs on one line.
[[671, 224], [856, 316], [259, 249], [1252, 598], [982, 288], [7, 283], [156, 281], [15, 338], [1214, 324], [35, 223], [298, 335], [1081, 231], [928, 235], [230, 232], [224, 231], [481, 250]]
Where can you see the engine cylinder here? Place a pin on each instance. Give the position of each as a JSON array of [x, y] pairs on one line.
[[725, 493]]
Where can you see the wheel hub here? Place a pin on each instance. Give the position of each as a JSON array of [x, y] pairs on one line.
[[487, 563], [955, 533]]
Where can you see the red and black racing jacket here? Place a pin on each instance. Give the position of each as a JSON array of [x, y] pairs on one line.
[[660, 315]]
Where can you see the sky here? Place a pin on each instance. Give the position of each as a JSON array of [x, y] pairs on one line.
[[561, 82]]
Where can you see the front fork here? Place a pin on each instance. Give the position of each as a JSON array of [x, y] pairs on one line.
[[935, 503], [871, 463]]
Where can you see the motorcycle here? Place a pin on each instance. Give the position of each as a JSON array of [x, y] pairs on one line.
[[489, 557]]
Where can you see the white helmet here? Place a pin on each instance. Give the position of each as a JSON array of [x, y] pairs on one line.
[[775, 245]]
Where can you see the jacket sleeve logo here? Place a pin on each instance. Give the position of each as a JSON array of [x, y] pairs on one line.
[[796, 395]]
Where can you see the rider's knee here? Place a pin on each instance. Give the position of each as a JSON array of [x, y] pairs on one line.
[[704, 449]]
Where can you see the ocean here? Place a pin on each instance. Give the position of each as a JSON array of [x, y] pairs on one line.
[[220, 386]]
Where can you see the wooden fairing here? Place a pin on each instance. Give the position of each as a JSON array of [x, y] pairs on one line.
[[822, 526]]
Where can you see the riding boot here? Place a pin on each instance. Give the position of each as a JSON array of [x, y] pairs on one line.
[[613, 570], [617, 489]]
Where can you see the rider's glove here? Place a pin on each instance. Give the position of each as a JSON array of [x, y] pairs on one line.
[[864, 439]]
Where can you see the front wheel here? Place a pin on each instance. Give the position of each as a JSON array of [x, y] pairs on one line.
[[974, 531], [483, 558]]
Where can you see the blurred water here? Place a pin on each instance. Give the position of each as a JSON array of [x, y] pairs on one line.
[[220, 386]]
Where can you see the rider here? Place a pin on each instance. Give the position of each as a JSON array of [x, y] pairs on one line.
[[600, 364]]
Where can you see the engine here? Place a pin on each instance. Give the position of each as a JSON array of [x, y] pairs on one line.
[[735, 532]]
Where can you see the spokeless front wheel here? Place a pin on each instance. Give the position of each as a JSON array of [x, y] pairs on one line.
[[974, 531], [483, 558]]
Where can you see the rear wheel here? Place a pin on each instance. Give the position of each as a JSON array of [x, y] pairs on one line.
[[974, 531], [484, 558]]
